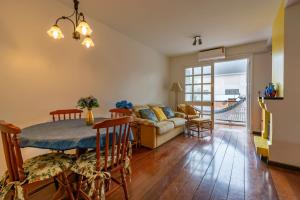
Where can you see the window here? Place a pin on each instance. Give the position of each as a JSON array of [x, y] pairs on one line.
[[198, 84]]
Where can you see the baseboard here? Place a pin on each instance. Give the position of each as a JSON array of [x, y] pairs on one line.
[[284, 166], [256, 132]]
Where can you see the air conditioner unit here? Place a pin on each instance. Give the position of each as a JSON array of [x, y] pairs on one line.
[[211, 54]]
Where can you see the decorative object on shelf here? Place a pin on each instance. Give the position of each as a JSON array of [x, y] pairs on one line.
[[263, 141], [80, 27], [124, 104], [271, 90], [197, 40], [176, 87], [89, 103]]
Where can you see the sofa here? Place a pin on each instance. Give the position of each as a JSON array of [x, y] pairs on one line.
[[155, 133]]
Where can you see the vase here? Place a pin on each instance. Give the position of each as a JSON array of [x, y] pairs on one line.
[[89, 117]]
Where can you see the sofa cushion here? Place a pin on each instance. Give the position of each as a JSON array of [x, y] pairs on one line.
[[187, 109], [159, 113], [192, 116], [164, 127], [168, 112], [180, 115], [177, 121], [137, 108], [190, 110], [148, 114]]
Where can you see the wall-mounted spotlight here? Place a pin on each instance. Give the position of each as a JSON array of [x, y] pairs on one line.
[[197, 40]]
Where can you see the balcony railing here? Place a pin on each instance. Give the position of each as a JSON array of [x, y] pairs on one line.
[[231, 111]]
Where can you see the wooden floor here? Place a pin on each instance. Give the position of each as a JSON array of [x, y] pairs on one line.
[[221, 167], [286, 182]]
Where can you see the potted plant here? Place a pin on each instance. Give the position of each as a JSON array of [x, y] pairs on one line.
[[89, 103]]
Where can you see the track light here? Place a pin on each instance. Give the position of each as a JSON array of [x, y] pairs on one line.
[[197, 39]]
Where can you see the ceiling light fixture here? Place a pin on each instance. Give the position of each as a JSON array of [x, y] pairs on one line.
[[197, 40], [80, 27]]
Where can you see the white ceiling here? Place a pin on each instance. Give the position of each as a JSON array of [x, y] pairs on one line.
[[169, 25]]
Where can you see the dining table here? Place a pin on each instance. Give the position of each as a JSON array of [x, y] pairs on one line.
[[66, 135]]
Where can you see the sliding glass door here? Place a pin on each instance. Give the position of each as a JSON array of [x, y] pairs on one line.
[[199, 89]]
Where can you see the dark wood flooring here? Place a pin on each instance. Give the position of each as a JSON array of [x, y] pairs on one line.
[[224, 166], [286, 182]]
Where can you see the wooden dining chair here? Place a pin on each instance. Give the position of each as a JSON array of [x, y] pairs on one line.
[[66, 114], [35, 171], [120, 112], [106, 161]]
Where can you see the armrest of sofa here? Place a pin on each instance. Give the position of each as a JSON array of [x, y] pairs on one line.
[[147, 132], [145, 122], [180, 114]]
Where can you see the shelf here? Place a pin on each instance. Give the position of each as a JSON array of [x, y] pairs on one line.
[[272, 98]]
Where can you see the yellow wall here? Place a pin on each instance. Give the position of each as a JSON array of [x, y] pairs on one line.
[[278, 49]]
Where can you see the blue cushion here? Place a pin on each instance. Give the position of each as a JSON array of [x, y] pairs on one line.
[[148, 114], [124, 104], [168, 112]]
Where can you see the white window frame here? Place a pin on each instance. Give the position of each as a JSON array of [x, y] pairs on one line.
[[193, 84]]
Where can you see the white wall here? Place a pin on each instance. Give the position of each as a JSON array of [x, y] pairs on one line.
[[261, 72], [230, 81], [285, 146], [38, 74]]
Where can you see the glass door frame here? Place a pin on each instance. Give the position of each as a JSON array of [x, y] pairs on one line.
[[249, 57], [202, 103]]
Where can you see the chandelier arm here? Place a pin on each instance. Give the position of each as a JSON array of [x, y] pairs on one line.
[[81, 15], [72, 14], [67, 18]]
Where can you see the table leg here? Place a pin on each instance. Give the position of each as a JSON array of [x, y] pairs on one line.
[[80, 151]]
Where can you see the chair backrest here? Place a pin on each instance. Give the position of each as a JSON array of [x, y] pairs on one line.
[[187, 109], [12, 151], [120, 112], [181, 108], [66, 114], [119, 129]]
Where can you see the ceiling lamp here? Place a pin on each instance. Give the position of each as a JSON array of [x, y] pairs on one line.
[[80, 27], [55, 32], [88, 42], [197, 40]]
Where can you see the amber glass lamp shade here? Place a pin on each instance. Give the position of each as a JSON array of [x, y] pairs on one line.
[[88, 42], [55, 32], [84, 28]]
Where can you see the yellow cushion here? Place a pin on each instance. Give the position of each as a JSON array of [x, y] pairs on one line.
[[190, 110], [159, 113], [181, 108]]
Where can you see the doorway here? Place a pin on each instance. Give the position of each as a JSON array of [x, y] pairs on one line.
[[230, 92]]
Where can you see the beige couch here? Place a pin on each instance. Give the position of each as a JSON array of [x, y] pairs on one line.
[[154, 134]]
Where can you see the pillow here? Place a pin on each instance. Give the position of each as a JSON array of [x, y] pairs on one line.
[[168, 112], [159, 113], [148, 114], [137, 108], [190, 110]]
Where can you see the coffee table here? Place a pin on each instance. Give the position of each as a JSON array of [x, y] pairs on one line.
[[198, 125]]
